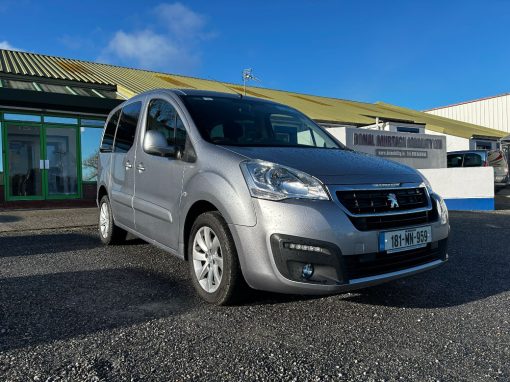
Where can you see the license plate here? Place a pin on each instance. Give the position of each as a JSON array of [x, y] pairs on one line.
[[405, 239]]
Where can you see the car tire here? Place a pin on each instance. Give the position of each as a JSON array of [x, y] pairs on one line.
[[213, 261], [109, 232]]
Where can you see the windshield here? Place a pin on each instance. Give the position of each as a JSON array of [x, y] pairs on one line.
[[242, 122]]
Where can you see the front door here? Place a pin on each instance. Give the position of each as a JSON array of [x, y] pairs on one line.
[[158, 180], [41, 162]]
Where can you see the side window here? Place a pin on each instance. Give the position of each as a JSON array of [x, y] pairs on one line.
[[180, 132], [126, 130], [473, 160], [454, 160], [109, 132], [163, 117]]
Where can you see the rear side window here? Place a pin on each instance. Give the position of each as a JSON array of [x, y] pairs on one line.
[[473, 160], [126, 130], [109, 132]]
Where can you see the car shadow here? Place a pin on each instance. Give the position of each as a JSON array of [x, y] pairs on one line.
[[9, 218], [35, 244], [44, 308], [479, 259]]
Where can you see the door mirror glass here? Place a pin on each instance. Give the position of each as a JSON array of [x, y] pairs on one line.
[[155, 143]]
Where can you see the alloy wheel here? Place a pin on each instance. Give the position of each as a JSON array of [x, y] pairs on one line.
[[207, 259]]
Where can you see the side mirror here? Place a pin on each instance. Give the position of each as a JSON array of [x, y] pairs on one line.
[[155, 143]]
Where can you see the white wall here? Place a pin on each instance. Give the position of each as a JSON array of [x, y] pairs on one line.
[[493, 112], [453, 143], [461, 183]]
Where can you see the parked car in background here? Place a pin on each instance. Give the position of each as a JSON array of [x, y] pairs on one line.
[[482, 158], [251, 191]]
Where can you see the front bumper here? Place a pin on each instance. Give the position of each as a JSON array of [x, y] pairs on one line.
[[351, 258]]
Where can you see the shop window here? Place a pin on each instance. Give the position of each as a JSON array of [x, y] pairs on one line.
[[20, 85], [108, 94], [54, 88], [84, 92], [90, 140], [61, 120], [413, 130], [1, 158], [483, 145], [22, 117]]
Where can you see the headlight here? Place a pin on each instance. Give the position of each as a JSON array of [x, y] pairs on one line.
[[274, 182], [441, 208], [427, 184]]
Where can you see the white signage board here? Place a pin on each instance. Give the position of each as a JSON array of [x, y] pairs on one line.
[[415, 150]]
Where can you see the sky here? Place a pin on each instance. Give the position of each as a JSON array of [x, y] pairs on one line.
[[417, 54]]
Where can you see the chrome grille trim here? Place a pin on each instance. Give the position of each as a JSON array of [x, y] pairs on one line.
[[332, 189]]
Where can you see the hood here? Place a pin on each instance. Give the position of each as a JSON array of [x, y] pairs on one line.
[[333, 166]]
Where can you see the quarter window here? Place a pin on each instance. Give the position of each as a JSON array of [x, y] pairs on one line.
[[163, 117], [126, 130], [109, 133]]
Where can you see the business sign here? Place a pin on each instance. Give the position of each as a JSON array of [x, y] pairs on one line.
[[415, 150]]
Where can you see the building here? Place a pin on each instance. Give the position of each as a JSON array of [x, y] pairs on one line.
[[52, 111], [492, 112]]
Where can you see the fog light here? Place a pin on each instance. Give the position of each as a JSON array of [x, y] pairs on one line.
[[307, 271], [304, 247]]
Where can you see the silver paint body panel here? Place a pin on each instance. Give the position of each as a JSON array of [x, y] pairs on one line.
[[153, 204]]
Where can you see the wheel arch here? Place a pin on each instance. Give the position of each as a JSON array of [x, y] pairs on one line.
[[101, 191], [196, 209]]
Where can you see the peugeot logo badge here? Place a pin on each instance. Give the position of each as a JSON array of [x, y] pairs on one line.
[[392, 198]]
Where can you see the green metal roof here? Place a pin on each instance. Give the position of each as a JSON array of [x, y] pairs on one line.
[[132, 81]]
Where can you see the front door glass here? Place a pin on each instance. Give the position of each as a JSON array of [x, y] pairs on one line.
[[62, 161], [24, 166]]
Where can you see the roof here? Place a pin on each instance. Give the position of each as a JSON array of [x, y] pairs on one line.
[[466, 102], [131, 81]]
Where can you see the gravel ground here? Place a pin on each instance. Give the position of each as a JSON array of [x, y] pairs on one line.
[[72, 310]]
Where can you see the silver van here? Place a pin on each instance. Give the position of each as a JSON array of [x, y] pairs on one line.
[[249, 191], [482, 158]]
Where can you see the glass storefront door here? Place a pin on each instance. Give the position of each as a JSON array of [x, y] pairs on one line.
[[61, 162], [24, 162], [42, 162]]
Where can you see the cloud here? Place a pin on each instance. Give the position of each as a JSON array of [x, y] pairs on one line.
[[173, 45], [6, 45], [147, 50], [180, 20]]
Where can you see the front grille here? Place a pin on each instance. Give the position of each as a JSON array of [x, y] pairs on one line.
[[359, 266], [381, 222], [379, 201]]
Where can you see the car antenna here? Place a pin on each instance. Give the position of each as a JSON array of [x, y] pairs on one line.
[[225, 86]]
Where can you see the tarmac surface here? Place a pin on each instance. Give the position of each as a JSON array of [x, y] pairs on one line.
[[29, 220], [74, 310]]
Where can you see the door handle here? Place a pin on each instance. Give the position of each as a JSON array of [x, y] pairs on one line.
[[128, 165], [140, 167], [44, 164]]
